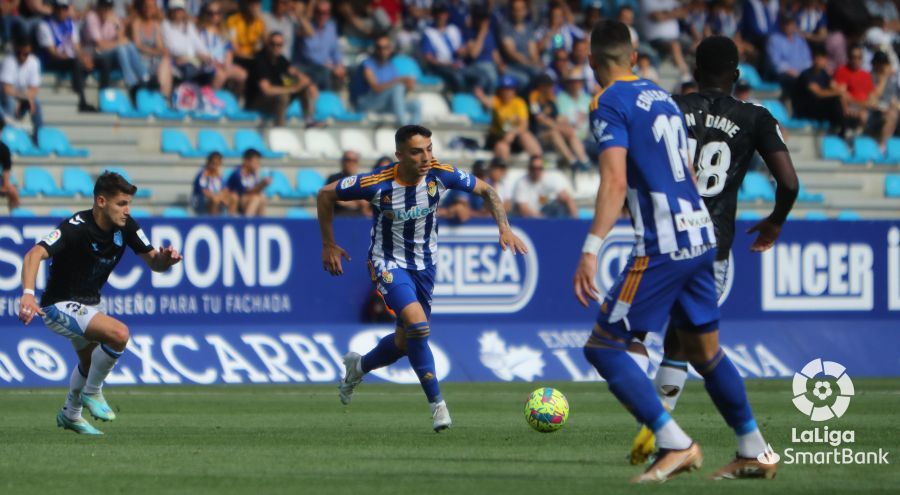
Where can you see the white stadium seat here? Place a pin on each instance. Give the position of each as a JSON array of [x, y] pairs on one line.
[[436, 109], [360, 141], [286, 141], [384, 141], [319, 142]]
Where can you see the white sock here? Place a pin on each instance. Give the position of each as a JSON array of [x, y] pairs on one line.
[[72, 409], [669, 383], [750, 445], [102, 362], [642, 361], [434, 405], [672, 437]]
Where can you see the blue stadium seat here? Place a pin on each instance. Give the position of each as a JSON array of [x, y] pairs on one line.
[[209, 140], [834, 148], [155, 104], [77, 181], [749, 215], [892, 157], [848, 215], [52, 140], [296, 212], [175, 141], [245, 139], [280, 186], [816, 215], [22, 212], [39, 181], [308, 183], [865, 150], [756, 186], [175, 212], [805, 196], [407, 66], [60, 213], [113, 100], [586, 213], [19, 142], [233, 110], [142, 192], [466, 104], [140, 213], [749, 74], [294, 110], [892, 186], [776, 108], [330, 105]]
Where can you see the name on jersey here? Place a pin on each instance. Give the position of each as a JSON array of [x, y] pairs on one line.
[[715, 122], [413, 213], [646, 98]]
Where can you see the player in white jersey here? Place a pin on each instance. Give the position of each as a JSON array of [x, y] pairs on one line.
[[402, 252]]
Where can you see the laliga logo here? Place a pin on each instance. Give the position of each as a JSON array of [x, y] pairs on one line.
[[823, 407]]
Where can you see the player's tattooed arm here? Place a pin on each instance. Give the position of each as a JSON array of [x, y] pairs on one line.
[[495, 204]]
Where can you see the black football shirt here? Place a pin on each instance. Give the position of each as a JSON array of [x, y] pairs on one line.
[[83, 256], [724, 134]]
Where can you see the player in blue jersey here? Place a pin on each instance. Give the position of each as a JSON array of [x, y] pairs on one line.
[[403, 252], [643, 146]]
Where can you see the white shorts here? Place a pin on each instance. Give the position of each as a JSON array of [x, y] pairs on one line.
[[722, 274], [70, 319]]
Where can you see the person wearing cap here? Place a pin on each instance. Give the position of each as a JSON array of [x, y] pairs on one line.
[[509, 131], [320, 54], [883, 101], [248, 32], [817, 96], [105, 36], [542, 195], [147, 36], [550, 128], [61, 50], [273, 83], [190, 60], [573, 104], [443, 49], [383, 89], [20, 75]]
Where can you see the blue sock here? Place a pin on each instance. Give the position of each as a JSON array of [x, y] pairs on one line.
[[421, 359], [726, 388], [384, 354], [626, 380]]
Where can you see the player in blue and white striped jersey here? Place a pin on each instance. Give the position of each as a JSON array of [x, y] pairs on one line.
[[402, 253]]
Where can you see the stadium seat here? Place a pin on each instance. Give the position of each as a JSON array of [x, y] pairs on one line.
[[155, 104], [294, 110], [113, 100], [585, 213], [330, 106], [384, 142], [286, 141], [308, 183], [52, 140], [22, 212], [749, 74], [892, 186], [834, 148], [893, 151], [466, 104], [245, 139], [848, 215], [209, 140], [320, 143], [19, 142], [434, 107], [816, 215], [756, 187], [777, 109], [280, 186], [407, 66], [233, 110], [175, 141], [865, 150], [175, 212], [77, 181], [749, 215], [805, 196], [60, 213], [142, 192], [358, 140], [296, 212], [36, 181], [140, 213]]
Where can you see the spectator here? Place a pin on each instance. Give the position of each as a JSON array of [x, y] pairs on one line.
[[442, 51], [626, 17], [817, 97], [209, 197], [360, 23], [858, 84], [695, 21], [538, 195], [723, 21], [58, 37], [349, 167], [758, 22], [560, 67], [7, 188], [248, 32], [384, 161], [496, 177], [481, 48], [247, 188], [573, 103], [645, 69], [812, 21], [187, 51], [284, 19], [519, 48], [659, 25], [273, 83], [742, 89], [788, 54], [146, 34], [21, 78], [560, 32], [320, 56], [883, 119], [581, 61], [459, 206], [550, 128], [509, 122], [226, 72], [459, 12], [8, 11], [105, 34], [31, 14], [887, 10], [592, 15], [384, 90]]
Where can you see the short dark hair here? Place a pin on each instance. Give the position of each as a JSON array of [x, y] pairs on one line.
[[818, 50], [251, 153], [211, 156], [110, 183], [717, 57], [611, 43], [404, 133]]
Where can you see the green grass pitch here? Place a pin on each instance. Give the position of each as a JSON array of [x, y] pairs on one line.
[[299, 439]]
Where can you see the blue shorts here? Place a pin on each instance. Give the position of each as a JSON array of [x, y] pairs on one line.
[[400, 287], [652, 288]]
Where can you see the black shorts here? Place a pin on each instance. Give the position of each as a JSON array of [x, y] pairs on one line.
[[493, 139]]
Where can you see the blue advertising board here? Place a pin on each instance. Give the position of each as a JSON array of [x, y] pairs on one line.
[[251, 303]]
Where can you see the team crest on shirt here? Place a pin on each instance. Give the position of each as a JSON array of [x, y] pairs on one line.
[[432, 188], [51, 238], [387, 277], [117, 238], [348, 182]]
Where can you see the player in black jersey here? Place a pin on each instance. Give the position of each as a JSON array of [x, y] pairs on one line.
[[724, 133], [84, 250]]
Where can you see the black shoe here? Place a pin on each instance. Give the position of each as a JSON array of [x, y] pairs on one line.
[[87, 108]]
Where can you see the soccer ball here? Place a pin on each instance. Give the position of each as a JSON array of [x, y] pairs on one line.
[[546, 409]]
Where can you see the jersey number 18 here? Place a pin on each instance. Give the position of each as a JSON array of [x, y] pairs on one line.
[[712, 166]]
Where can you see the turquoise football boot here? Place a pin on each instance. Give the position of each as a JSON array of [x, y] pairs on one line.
[[79, 426], [98, 406]]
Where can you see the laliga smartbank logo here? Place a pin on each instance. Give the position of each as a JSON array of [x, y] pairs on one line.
[[822, 391]]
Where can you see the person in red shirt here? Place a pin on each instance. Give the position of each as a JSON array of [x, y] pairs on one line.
[[858, 82]]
